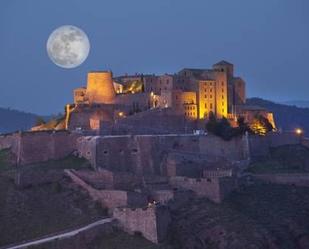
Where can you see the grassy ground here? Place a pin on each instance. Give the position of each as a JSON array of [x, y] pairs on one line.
[[113, 240], [27, 213], [259, 216]]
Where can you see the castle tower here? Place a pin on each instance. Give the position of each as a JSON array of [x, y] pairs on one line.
[[100, 88]]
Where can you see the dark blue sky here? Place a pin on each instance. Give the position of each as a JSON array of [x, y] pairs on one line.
[[267, 40]]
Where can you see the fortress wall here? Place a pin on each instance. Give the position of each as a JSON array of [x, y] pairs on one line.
[[155, 121], [147, 154], [236, 149], [260, 145], [86, 147], [109, 198], [43, 146], [278, 139], [301, 180], [209, 188], [151, 222], [33, 147], [9, 141], [215, 189]]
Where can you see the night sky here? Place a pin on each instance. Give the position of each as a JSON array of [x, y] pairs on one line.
[[267, 40]]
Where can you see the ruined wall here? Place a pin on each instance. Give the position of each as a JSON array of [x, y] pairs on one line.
[[40, 146], [109, 198], [214, 189], [151, 222]]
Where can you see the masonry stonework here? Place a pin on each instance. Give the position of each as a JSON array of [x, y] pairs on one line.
[[151, 222]]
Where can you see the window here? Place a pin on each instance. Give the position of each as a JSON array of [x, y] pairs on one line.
[[222, 96], [222, 110], [205, 96], [222, 83], [210, 96], [210, 105], [205, 105], [210, 90]]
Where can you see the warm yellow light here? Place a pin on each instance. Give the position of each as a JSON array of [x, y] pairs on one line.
[[120, 114], [298, 131], [151, 94]]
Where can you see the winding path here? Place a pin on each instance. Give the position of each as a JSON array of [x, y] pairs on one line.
[[62, 235]]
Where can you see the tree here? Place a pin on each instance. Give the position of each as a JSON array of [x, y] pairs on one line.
[[39, 121]]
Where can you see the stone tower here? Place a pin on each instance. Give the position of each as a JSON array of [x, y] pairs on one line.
[[100, 88]]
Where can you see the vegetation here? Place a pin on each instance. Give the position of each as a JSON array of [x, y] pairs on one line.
[[223, 128], [261, 126], [43, 208], [286, 117], [259, 216]]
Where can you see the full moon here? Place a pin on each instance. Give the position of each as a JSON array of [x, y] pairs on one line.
[[68, 46]]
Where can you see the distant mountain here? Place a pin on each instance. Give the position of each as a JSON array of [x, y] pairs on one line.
[[298, 103], [287, 117], [13, 120]]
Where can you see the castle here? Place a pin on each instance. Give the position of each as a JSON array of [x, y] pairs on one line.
[[137, 133], [182, 100]]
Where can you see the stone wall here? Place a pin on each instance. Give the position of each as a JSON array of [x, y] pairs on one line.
[[39, 146], [215, 189], [151, 222], [260, 145], [109, 198], [288, 179], [147, 154]]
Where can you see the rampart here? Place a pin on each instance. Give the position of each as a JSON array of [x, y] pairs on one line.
[[215, 189], [39, 146], [105, 179], [151, 222], [260, 145], [109, 198], [147, 154]]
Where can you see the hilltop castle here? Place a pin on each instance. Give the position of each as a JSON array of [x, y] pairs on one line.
[[181, 101]]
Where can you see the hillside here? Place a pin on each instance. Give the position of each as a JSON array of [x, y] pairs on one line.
[[286, 117], [13, 120]]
